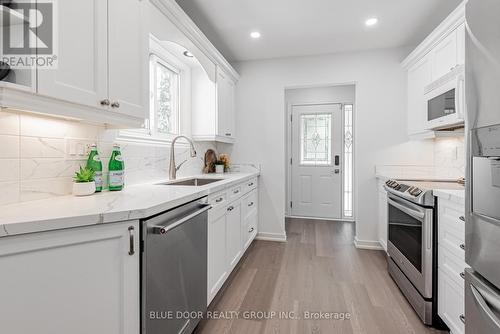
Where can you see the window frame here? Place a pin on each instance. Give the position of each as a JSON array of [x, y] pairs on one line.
[[146, 133]]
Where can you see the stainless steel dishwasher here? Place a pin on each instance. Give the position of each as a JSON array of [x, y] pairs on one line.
[[174, 269]]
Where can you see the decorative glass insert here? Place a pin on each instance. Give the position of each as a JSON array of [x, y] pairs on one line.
[[315, 139], [348, 160], [165, 98]]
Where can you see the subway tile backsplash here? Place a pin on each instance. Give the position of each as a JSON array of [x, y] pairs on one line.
[[35, 162]]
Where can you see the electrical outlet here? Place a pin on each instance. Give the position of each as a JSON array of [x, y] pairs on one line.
[[78, 148]]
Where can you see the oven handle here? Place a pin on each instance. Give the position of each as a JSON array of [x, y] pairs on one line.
[[414, 213]]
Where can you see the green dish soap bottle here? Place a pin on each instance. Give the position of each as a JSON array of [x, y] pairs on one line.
[[116, 169], [94, 163]]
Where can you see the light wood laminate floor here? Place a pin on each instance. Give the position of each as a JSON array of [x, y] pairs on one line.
[[317, 269]]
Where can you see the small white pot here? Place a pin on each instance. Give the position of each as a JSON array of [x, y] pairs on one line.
[[219, 169], [83, 188]]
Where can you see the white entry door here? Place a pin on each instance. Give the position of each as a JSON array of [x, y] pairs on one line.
[[316, 184]]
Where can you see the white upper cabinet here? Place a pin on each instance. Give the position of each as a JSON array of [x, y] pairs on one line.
[[444, 56], [81, 76], [225, 105], [438, 55], [128, 58], [419, 76], [102, 58]]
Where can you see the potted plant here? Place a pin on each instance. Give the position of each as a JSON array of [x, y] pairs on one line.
[[84, 184], [224, 163]]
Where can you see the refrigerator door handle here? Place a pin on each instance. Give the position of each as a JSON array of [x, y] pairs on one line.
[[481, 301]]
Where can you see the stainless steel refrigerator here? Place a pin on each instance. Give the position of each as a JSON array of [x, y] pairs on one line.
[[482, 252]]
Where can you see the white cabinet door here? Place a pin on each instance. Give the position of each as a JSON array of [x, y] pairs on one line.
[[81, 75], [78, 281], [217, 264], [445, 56], [450, 302], [382, 216], [233, 237], [419, 76], [128, 57], [225, 105]]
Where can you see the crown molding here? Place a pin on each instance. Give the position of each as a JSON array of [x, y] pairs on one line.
[[181, 20], [452, 22]]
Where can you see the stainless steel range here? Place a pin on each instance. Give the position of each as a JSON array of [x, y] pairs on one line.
[[412, 243]]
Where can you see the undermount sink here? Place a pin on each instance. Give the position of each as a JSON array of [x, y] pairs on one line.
[[195, 182]]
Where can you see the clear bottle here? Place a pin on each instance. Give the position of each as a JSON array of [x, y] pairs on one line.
[[94, 163], [116, 169]]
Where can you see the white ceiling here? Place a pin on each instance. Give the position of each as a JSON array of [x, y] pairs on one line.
[[310, 27]]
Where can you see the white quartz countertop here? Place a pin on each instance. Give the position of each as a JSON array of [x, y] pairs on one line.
[[133, 202], [457, 196]]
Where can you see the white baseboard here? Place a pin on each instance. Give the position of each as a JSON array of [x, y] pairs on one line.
[[383, 244], [367, 244], [350, 220], [278, 237]]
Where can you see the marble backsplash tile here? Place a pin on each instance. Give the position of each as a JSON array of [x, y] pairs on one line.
[[34, 163]]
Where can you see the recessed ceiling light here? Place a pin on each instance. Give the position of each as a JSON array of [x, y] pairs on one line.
[[188, 54], [371, 22], [255, 34]]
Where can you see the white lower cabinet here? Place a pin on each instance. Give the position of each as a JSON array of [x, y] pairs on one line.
[[232, 227], [451, 264], [79, 281], [382, 215]]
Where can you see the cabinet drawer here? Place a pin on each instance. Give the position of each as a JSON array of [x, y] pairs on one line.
[[249, 230], [451, 229], [235, 192], [218, 199], [450, 302], [249, 203], [250, 185], [452, 264]]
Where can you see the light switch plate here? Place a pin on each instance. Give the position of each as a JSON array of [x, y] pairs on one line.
[[77, 148]]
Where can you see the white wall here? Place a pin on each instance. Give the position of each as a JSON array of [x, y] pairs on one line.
[[380, 116]]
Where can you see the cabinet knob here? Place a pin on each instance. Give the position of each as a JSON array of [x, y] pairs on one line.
[[105, 102], [462, 246], [115, 105]]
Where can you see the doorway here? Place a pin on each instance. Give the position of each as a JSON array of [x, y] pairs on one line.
[[320, 152]]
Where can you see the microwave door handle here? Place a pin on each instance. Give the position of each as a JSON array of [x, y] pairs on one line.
[[413, 213]]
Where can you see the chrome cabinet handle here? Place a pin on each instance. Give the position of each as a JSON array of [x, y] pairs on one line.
[[462, 274], [105, 102], [218, 200], [462, 246], [462, 218], [251, 230], [250, 204], [250, 184], [462, 318], [131, 250], [231, 208], [115, 104], [236, 191], [228, 134]]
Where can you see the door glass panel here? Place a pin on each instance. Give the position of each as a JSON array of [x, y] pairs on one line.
[[442, 105], [405, 233], [315, 139]]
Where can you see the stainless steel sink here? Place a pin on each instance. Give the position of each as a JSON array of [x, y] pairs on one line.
[[194, 182]]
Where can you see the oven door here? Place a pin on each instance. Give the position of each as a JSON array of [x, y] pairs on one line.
[[410, 243]]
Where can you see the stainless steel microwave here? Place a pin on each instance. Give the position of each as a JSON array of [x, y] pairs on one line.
[[446, 100]]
